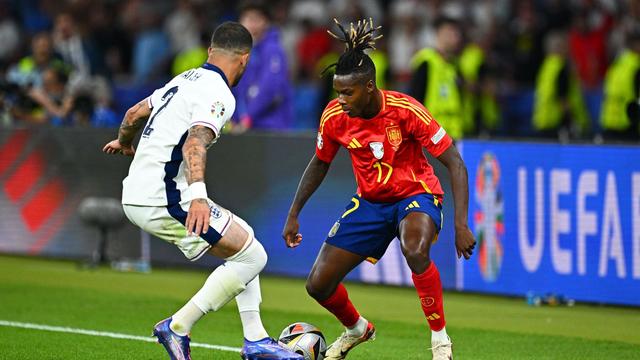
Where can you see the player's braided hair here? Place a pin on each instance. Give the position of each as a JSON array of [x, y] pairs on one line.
[[357, 39]]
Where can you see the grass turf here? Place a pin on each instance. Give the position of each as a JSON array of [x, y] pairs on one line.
[[56, 293]]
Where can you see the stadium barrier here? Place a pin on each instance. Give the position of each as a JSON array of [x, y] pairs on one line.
[[550, 218]]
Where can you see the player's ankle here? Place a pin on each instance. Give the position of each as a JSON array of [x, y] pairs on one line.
[[359, 328], [440, 335]]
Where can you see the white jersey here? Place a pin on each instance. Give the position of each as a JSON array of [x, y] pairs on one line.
[[196, 97]]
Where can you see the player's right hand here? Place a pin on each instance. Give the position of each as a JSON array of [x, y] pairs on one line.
[[290, 234], [198, 217], [115, 147]]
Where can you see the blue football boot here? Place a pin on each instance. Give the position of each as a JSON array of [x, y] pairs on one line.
[[267, 348], [177, 346]]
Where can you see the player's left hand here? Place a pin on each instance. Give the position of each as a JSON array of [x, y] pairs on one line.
[[115, 147], [198, 217], [465, 242]]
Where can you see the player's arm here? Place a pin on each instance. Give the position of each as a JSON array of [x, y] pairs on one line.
[[133, 120], [194, 152], [465, 241], [311, 180]]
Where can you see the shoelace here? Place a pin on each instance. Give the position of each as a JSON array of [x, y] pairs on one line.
[[440, 345]]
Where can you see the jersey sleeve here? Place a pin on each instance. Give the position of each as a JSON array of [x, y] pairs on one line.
[[427, 131], [212, 111], [326, 145], [155, 97]]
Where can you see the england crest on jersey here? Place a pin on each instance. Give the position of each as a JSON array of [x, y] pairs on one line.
[[377, 148]]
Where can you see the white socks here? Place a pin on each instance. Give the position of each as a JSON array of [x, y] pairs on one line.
[[249, 307], [440, 336], [359, 328], [183, 320], [228, 280]]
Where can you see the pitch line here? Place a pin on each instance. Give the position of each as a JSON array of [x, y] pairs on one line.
[[105, 334]]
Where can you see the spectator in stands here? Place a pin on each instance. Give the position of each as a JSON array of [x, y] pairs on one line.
[[559, 109], [80, 53], [264, 96], [523, 41], [51, 101], [481, 109], [9, 36], [314, 44], [589, 48], [435, 81], [28, 71], [151, 51], [621, 87]]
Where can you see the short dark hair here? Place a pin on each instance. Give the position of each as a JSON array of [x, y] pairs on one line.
[[232, 36], [445, 20], [257, 5], [357, 39]]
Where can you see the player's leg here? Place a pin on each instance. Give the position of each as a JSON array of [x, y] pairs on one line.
[[324, 282], [324, 285], [245, 258], [361, 232], [232, 239], [418, 230]]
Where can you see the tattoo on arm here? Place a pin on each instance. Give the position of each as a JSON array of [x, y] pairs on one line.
[[194, 152], [133, 120]]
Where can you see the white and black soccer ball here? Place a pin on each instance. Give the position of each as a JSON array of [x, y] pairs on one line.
[[304, 339]]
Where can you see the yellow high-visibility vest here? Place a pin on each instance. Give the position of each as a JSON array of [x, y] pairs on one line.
[[619, 91], [547, 108], [471, 60], [442, 94]]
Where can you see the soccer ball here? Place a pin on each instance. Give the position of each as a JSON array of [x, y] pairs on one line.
[[304, 339]]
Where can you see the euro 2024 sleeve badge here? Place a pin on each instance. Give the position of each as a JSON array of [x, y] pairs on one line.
[[217, 109]]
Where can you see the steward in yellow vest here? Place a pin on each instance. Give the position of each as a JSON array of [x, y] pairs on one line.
[[559, 109], [481, 113], [435, 79], [621, 87]]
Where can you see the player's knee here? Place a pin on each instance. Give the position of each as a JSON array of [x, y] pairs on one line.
[[316, 291], [260, 255], [249, 262], [417, 259]]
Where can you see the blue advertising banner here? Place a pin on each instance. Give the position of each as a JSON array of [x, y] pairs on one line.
[[549, 218]]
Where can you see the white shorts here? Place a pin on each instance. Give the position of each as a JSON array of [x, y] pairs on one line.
[[168, 223]]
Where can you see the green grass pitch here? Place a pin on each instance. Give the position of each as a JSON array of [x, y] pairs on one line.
[[55, 293]]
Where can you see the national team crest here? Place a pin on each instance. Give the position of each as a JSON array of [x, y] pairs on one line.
[[217, 109], [320, 143], [394, 135], [377, 148]]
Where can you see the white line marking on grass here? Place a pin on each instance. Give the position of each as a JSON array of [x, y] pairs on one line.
[[105, 334]]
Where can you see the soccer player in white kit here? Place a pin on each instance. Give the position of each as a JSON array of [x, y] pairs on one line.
[[165, 193]]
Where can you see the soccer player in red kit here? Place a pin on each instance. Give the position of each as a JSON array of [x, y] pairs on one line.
[[398, 194]]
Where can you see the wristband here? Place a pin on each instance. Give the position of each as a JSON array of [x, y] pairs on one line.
[[198, 190]]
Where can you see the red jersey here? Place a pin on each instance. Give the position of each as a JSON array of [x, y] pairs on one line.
[[386, 150]]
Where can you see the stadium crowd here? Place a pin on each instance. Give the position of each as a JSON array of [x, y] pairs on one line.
[[547, 68]]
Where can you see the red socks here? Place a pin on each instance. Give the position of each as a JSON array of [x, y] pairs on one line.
[[340, 306], [429, 290]]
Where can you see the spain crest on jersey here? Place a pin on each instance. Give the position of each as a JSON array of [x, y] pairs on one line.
[[394, 135]]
